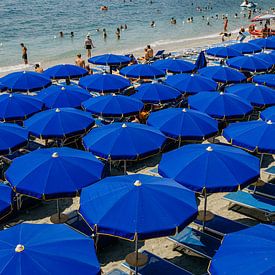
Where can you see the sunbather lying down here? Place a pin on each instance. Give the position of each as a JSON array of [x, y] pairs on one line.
[[225, 34]]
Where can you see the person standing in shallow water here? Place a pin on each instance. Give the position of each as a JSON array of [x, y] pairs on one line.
[[225, 26], [88, 43], [24, 53]]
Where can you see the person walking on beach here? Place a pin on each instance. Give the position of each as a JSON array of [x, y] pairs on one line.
[[24, 53], [79, 61], [225, 25], [88, 43]]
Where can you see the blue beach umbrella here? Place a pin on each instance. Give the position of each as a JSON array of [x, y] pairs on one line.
[[113, 106], [264, 43], [183, 124], [265, 79], [60, 96], [104, 83], [12, 137], [246, 48], [124, 141], [2, 87], [110, 59], [174, 65], [201, 61], [223, 52], [268, 114], [6, 200], [54, 172], [152, 206], [59, 123], [220, 105], [258, 95], [222, 74], [246, 252], [255, 136], [65, 71], [267, 57], [46, 249], [18, 106], [191, 83], [210, 168], [156, 93], [25, 81], [249, 63], [142, 71]]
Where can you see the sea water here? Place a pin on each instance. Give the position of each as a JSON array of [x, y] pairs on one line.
[[37, 23]]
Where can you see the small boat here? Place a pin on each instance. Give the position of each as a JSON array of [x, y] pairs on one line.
[[247, 4]]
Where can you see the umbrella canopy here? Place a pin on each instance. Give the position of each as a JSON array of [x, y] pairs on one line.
[[201, 61], [12, 137], [268, 114], [264, 43], [223, 74], [249, 63], [246, 48], [258, 95], [265, 79], [267, 57], [223, 52], [151, 206], [18, 106], [6, 200], [104, 83], [255, 136], [246, 252], [156, 93], [185, 124], [210, 168], [113, 106], [25, 81], [53, 172], [46, 249], [60, 96], [220, 105], [174, 65], [109, 59], [124, 141], [142, 71], [191, 83], [59, 123], [65, 71]]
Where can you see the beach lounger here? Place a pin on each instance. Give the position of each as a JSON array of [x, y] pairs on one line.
[[221, 226], [267, 190], [159, 54], [270, 171], [116, 272], [196, 241], [158, 266], [252, 201]]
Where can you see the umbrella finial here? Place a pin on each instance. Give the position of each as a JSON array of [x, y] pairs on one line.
[[113, 94], [10, 95], [24, 72], [257, 84], [55, 155], [184, 110], [57, 110], [209, 149], [19, 248], [63, 88], [137, 183], [124, 125], [269, 122], [192, 74], [221, 93]]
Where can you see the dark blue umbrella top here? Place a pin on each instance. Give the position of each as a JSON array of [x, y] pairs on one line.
[[201, 61], [265, 79], [267, 57], [110, 59], [174, 65], [264, 43], [246, 48], [268, 114], [25, 81], [223, 52], [142, 71]]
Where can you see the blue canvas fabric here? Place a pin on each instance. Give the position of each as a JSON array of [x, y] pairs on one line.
[[156, 93], [247, 252], [60, 96], [264, 43], [220, 105], [268, 57], [174, 65], [222, 74], [54, 172], [201, 61], [183, 123], [6, 199], [142, 71], [258, 95], [46, 249], [12, 137], [138, 206], [104, 83], [59, 123], [109, 59], [246, 48], [265, 79], [124, 141], [65, 71], [25, 81], [191, 83], [223, 52], [18, 106], [113, 106], [210, 168], [268, 114], [255, 136]]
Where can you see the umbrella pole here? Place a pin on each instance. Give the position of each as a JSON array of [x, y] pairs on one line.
[[58, 209], [136, 249], [204, 211], [125, 168], [179, 141], [262, 157]]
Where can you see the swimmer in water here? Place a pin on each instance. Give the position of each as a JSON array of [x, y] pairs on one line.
[[118, 33], [72, 34], [88, 43], [173, 21], [104, 8], [61, 34], [152, 24], [104, 34]]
